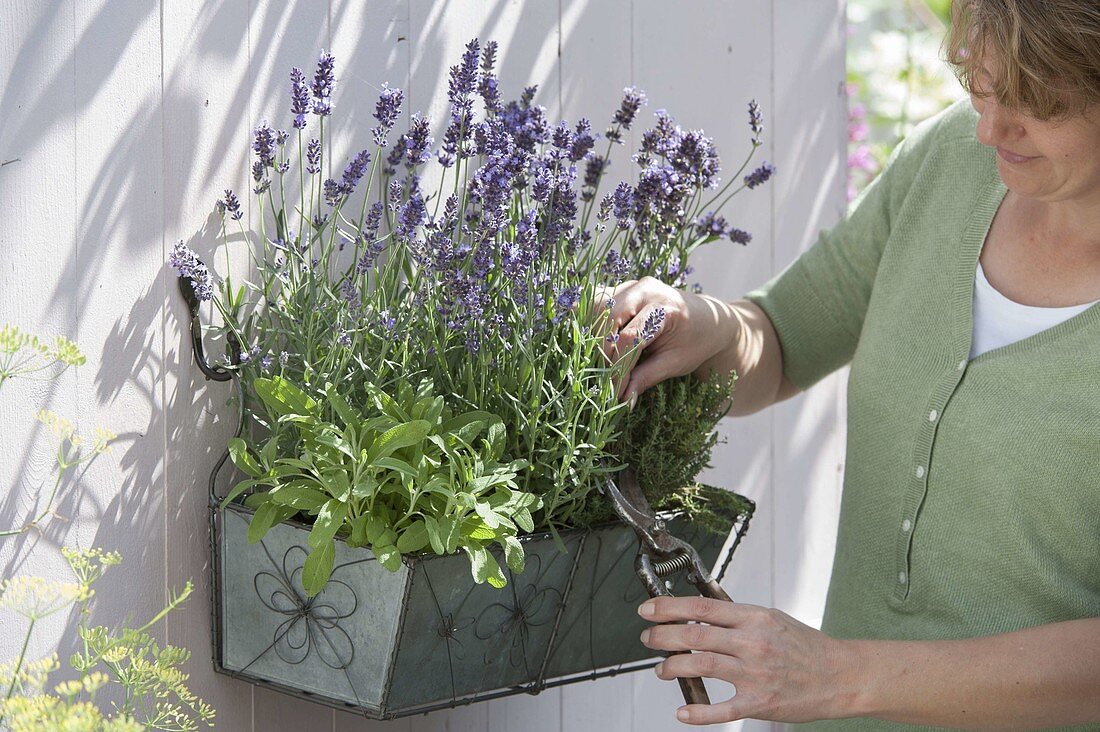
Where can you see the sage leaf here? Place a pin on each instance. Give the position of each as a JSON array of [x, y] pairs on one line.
[[242, 458], [318, 568], [414, 538], [329, 520], [262, 521]]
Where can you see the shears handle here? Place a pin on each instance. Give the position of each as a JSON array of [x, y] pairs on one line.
[[693, 689]]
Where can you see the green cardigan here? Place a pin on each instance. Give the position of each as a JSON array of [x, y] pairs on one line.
[[971, 503]]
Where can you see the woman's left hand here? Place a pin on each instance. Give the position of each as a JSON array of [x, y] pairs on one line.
[[781, 670]]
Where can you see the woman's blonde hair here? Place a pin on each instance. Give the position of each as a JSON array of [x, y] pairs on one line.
[[1047, 53]]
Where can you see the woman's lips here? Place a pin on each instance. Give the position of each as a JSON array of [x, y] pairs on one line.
[[1012, 157]]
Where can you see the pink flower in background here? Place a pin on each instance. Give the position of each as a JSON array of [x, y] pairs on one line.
[[862, 165]]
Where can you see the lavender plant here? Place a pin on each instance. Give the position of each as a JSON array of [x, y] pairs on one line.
[[476, 278]]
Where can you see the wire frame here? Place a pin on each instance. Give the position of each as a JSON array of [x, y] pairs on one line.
[[426, 637], [390, 644]]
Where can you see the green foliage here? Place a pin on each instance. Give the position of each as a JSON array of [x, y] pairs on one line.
[[155, 695], [404, 475], [26, 356], [668, 439]]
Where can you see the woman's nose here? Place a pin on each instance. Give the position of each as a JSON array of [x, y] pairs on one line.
[[996, 124]]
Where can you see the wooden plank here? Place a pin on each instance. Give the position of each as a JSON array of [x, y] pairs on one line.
[[704, 65], [528, 54], [810, 129], [110, 284], [37, 233], [206, 128], [596, 65], [282, 35]]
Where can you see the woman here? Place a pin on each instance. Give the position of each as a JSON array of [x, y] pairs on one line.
[[966, 585]]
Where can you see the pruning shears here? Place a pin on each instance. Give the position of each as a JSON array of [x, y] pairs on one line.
[[661, 555]]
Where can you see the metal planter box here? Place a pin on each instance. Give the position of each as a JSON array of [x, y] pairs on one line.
[[389, 644]]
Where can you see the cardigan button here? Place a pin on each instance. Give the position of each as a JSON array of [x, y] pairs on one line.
[[906, 525], [920, 471], [962, 365], [932, 415], [902, 577]]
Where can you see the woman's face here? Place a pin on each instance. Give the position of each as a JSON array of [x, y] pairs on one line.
[[1048, 160]]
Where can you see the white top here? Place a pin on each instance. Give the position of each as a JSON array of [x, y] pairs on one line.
[[999, 321]]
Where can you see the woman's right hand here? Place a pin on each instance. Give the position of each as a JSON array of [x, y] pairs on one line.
[[695, 329]]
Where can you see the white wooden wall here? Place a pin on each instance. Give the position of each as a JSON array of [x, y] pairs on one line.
[[128, 118]]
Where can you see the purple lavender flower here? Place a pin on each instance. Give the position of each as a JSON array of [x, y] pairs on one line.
[[410, 216], [711, 224], [263, 143], [606, 204], [418, 141], [299, 97], [259, 175], [281, 137], [623, 205], [333, 194], [351, 295], [593, 171], [760, 176], [387, 321], [284, 357], [696, 288], [567, 298], [386, 111], [633, 100], [562, 136], [232, 205], [737, 236], [464, 75], [187, 264], [319, 221], [583, 141], [616, 266], [396, 188], [354, 172], [463, 81], [313, 156], [542, 185], [323, 81], [756, 123], [487, 81], [344, 339], [653, 324]]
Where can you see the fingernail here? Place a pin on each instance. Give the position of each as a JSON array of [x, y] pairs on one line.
[[683, 714], [645, 636], [657, 668], [633, 400], [646, 609]]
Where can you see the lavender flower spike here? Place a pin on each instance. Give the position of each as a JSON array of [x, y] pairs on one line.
[[299, 97], [756, 123], [231, 205], [760, 176], [386, 111], [633, 100], [263, 143], [313, 156], [653, 323], [187, 264], [323, 81]]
